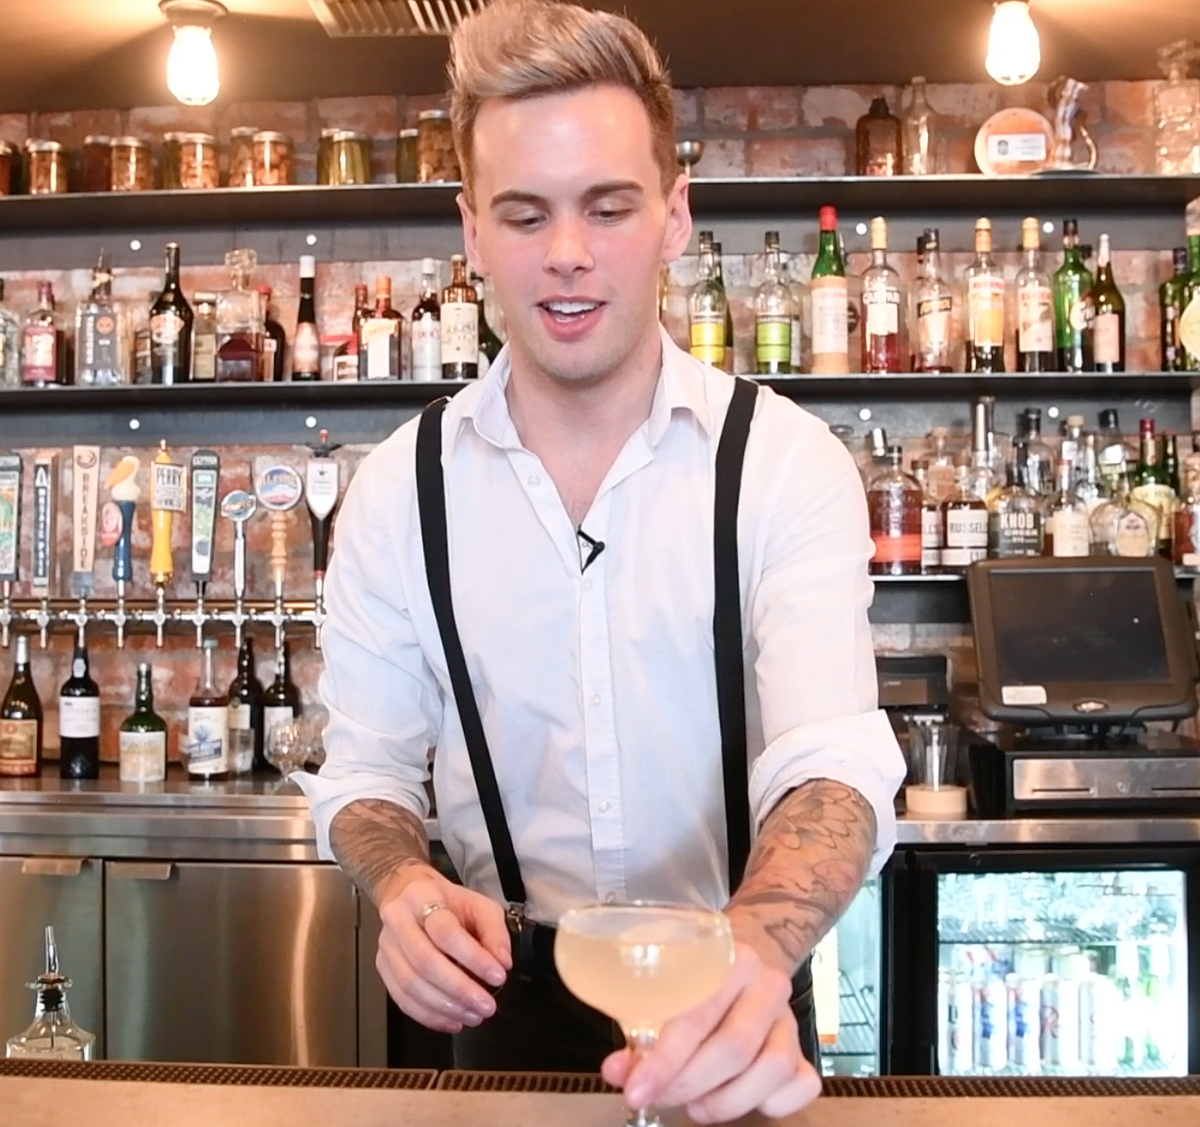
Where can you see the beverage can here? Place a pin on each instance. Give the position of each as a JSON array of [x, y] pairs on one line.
[[1024, 1023], [1068, 1025], [945, 1009], [1099, 1023], [991, 1025], [962, 1038], [1048, 1017]]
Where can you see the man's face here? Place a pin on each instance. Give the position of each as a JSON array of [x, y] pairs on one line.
[[571, 224]]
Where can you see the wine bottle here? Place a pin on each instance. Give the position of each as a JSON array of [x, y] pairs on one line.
[[21, 719], [1107, 311], [1072, 280], [427, 327], [171, 328], [460, 325], [208, 725], [1035, 306], [306, 346], [143, 736], [281, 699], [830, 303], [274, 341], [79, 719], [985, 305], [246, 715]]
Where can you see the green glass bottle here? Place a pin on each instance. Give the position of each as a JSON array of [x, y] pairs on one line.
[[143, 736], [489, 343], [1107, 315], [1170, 305], [1072, 281], [1189, 316], [1152, 486], [830, 303], [720, 280]]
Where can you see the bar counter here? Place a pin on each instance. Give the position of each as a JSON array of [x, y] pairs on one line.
[[267, 820]]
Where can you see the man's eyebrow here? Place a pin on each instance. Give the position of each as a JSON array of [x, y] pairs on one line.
[[596, 191]]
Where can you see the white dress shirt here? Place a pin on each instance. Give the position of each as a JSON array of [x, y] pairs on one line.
[[597, 691]]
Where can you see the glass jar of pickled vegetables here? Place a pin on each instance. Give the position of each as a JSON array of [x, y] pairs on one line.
[[241, 156], [132, 169], [191, 161], [97, 163], [47, 167], [8, 163], [406, 156], [348, 160], [272, 158], [436, 159]]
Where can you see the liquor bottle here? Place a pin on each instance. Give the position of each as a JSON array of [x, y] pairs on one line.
[[881, 307], [964, 525], [143, 736], [460, 324], [246, 715], [53, 1035], [1150, 485], [1072, 441], [345, 359], [1067, 527], [10, 345], [1176, 106], [1170, 305], [79, 719], [1186, 540], [720, 277], [171, 328], [878, 148], [1015, 527], [1124, 525], [894, 507], [306, 345], [983, 479], [1106, 308], [934, 310], [830, 303], [707, 307], [379, 335], [143, 364], [43, 362], [489, 343], [425, 321], [1087, 474], [240, 322], [208, 725], [274, 341], [1039, 458], [985, 305], [1189, 316], [204, 337], [21, 719], [774, 316], [1035, 306], [931, 520], [101, 340], [1072, 282], [921, 131], [794, 283], [1169, 460], [1113, 457], [942, 471], [281, 698]]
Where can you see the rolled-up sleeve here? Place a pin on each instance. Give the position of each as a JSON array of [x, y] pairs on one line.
[[383, 700], [815, 662]]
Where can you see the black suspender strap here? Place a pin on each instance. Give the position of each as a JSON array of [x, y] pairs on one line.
[[431, 503], [727, 625]]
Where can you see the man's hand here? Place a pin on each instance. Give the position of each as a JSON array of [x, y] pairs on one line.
[[436, 935], [737, 1053]]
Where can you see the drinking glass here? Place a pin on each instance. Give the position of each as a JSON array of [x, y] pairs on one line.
[[642, 964], [286, 748]]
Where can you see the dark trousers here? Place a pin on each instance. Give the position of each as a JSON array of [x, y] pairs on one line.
[[540, 1026]]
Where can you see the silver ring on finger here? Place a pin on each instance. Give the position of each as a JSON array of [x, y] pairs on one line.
[[427, 910]]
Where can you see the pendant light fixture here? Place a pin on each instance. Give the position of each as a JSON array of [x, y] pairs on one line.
[[192, 74], [1014, 49]]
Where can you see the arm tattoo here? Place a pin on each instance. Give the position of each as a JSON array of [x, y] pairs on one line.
[[373, 839], [809, 861]]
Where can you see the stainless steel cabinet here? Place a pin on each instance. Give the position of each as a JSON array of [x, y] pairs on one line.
[[68, 893], [223, 962]]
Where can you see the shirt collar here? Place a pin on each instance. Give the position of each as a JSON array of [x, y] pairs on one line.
[[681, 387]]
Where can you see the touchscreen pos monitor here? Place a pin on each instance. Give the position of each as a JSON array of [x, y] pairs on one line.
[[1092, 641]]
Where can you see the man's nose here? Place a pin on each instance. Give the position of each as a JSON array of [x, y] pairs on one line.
[[568, 250]]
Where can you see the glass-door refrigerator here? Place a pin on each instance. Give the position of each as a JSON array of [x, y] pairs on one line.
[[1073, 962]]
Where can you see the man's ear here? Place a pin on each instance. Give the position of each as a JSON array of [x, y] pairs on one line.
[[471, 236], [678, 232]]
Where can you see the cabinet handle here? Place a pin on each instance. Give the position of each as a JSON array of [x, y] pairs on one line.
[[140, 870], [52, 866]]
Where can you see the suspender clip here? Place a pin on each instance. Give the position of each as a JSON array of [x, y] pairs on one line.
[[520, 929]]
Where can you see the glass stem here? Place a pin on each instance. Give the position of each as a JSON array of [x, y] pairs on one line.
[[641, 1041]]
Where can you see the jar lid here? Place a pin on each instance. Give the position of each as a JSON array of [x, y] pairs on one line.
[[272, 135], [434, 115], [174, 135], [97, 139], [346, 135], [330, 131], [6, 149], [203, 297], [243, 131], [408, 133], [36, 145], [195, 138], [129, 143]]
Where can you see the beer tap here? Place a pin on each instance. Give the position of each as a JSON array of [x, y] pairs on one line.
[[279, 489], [168, 495], [10, 536], [122, 483], [45, 496], [321, 493], [85, 461], [206, 475], [239, 506]]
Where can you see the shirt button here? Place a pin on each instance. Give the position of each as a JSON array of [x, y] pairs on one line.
[[611, 898], [535, 479], [603, 807], [595, 698]]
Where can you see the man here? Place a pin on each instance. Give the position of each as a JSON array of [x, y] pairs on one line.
[[579, 485]]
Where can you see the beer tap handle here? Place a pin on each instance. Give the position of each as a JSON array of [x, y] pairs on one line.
[[279, 489], [119, 616], [199, 615], [42, 618], [321, 494], [168, 496], [239, 506], [6, 613]]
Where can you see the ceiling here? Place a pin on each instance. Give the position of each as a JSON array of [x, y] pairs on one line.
[[86, 54]]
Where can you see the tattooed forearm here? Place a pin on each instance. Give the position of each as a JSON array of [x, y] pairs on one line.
[[373, 839], [809, 861]]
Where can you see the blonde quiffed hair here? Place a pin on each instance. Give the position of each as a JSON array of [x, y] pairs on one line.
[[526, 48]]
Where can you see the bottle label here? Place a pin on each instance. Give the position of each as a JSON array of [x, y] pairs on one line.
[[378, 339], [1013, 534], [985, 301], [345, 366], [98, 341], [18, 747], [1162, 498], [881, 306], [427, 349], [830, 324], [204, 357], [276, 714], [207, 739], [933, 322], [1189, 327], [41, 354], [239, 716], [143, 757], [901, 547], [1070, 533], [460, 332], [1132, 536], [931, 538], [79, 717], [306, 350], [773, 339], [1035, 319], [1080, 313], [1106, 328], [166, 328], [966, 528], [707, 334]]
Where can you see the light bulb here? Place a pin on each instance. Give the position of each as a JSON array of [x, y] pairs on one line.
[[192, 66], [1014, 49]]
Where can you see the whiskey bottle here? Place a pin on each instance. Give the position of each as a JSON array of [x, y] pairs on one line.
[[345, 359], [1035, 306], [707, 309], [79, 719], [143, 736], [1039, 458], [1113, 457], [1124, 525], [171, 328], [1067, 526], [931, 520], [1170, 301], [425, 321], [985, 305], [894, 502], [379, 336], [933, 311], [460, 324], [964, 525], [1015, 526], [1072, 281], [274, 341], [1107, 315], [43, 359], [774, 316], [830, 303], [240, 322], [1152, 487], [101, 335], [246, 715], [306, 345], [207, 746], [878, 148], [21, 719], [281, 698], [881, 307]]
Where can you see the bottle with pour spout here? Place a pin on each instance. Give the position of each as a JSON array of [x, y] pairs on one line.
[[52, 1035]]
